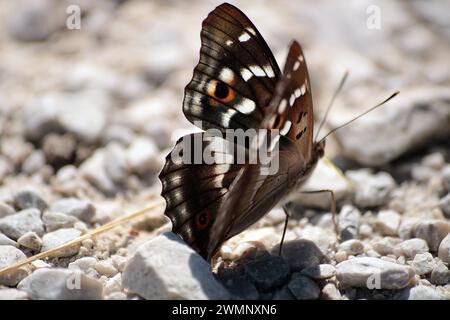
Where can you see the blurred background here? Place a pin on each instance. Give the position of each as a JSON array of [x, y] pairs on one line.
[[99, 94]]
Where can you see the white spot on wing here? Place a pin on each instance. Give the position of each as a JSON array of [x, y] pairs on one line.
[[246, 106], [286, 127], [303, 89], [251, 31], [291, 99], [244, 37], [226, 117], [282, 106], [296, 65], [257, 71], [229, 42], [298, 92], [246, 74], [226, 75], [269, 71], [300, 58]]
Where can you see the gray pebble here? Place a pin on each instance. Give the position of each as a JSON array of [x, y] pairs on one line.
[[444, 249], [56, 220], [5, 210], [26, 199], [12, 294], [446, 177], [423, 263], [300, 254], [432, 231], [349, 222], [373, 273], [10, 255], [31, 241], [371, 189], [440, 274], [283, 294], [331, 292], [268, 273], [80, 209], [386, 245], [61, 284], [407, 228], [59, 237], [444, 205], [5, 241], [303, 288], [388, 222], [411, 247], [16, 225], [419, 292], [352, 247], [34, 162]]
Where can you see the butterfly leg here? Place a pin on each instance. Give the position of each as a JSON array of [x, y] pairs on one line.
[[333, 209], [286, 212]]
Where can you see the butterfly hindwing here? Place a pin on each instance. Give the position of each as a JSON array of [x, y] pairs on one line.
[[236, 76], [193, 190]]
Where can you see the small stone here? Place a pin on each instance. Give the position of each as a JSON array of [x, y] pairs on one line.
[[340, 256], [39, 264], [373, 273], [365, 230], [440, 274], [59, 149], [93, 170], [86, 265], [119, 262], [142, 156], [352, 247], [34, 162], [446, 177], [423, 263], [31, 241], [300, 254], [116, 296], [419, 292], [113, 285], [12, 294], [371, 190], [116, 167], [407, 228], [26, 199], [59, 237], [435, 161], [444, 205], [444, 249], [56, 220], [320, 272], [5, 241], [413, 246], [239, 285], [81, 209], [6, 210], [331, 292], [386, 245], [16, 225], [106, 268], [61, 284], [268, 273], [348, 222], [303, 288], [388, 222], [10, 255], [432, 231], [179, 272]]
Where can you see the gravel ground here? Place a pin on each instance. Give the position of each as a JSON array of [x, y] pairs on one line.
[[87, 117]]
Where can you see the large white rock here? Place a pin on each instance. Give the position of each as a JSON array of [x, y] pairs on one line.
[[166, 268], [412, 119], [373, 273], [61, 284]]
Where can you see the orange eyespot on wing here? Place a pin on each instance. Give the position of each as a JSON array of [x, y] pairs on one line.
[[221, 92]]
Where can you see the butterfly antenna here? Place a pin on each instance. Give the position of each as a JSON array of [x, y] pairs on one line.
[[336, 93], [362, 114]]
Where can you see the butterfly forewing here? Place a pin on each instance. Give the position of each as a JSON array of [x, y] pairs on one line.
[[236, 76]]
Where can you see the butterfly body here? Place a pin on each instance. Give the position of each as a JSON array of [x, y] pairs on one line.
[[237, 85]]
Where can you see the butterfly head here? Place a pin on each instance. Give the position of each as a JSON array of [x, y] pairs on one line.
[[319, 148]]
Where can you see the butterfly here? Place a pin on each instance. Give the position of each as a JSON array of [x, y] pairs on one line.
[[238, 85]]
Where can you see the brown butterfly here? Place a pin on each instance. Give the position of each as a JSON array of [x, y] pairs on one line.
[[237, 84]]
